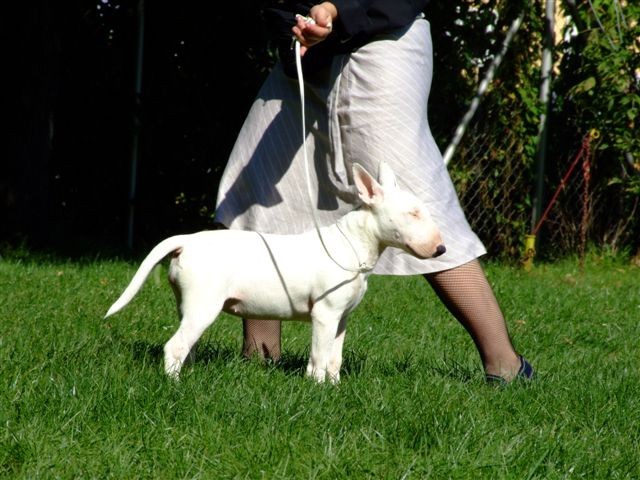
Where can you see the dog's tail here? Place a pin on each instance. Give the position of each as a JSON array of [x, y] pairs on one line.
[[160, 251]]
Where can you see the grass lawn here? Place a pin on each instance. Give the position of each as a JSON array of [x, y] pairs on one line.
[[83, 397]]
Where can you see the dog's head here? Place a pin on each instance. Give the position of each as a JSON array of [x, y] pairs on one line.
[[401, 219]]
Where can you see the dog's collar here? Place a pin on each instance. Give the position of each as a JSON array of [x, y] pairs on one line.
[[362, 266]]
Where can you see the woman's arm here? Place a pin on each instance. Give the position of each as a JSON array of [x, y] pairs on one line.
[[310, 33]]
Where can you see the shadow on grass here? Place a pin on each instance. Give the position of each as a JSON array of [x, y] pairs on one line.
[[293, 363], [411, 365], [454, 370], [142, 351], [355, 363], [211, 353]]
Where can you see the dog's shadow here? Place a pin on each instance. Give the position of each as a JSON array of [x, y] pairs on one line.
[[143, 351], [291, 363]]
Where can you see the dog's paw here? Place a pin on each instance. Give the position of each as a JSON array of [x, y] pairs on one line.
[[334, 378]]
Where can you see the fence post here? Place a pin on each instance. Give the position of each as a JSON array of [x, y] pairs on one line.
[[545, 84], [135, 136]]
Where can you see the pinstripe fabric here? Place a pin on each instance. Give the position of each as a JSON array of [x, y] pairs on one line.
[[369, 106]]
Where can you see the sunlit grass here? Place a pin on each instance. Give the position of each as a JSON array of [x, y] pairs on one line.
[[83, 397]]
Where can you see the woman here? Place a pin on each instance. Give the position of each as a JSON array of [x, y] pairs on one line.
[[368, 69]]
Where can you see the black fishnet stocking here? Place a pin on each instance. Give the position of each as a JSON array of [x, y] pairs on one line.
[[467, 294], [261, 338]]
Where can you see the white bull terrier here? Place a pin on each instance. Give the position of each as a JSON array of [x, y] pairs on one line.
[[290, 277]]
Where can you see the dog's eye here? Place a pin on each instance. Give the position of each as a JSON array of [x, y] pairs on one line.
[[415, 214]]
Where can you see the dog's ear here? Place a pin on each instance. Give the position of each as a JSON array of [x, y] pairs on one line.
[[369, 190], [386, 177]]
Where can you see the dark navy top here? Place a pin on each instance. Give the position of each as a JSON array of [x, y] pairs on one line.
[[358, 22]]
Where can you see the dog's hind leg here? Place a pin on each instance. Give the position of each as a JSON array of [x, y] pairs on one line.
[[195, 320]]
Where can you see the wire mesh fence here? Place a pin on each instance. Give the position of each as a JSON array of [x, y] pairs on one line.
[[591, 179], [565, 222], [495, 179], [495, 182]]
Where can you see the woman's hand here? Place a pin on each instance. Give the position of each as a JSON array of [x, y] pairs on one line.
[[311, 33]]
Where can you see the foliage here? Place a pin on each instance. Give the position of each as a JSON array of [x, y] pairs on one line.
[[598, 87], [68, 173], [467, 35], [596, 84], [491, 168]]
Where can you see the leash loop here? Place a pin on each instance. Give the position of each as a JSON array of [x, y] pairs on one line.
[[362, 266]]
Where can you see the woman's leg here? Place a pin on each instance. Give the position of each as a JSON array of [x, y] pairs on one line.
[[467, 294], [261, 338]]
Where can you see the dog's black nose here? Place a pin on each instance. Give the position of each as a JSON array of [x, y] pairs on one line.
[[440, 249]]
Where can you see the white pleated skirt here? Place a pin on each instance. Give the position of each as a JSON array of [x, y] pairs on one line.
[[368, 106]]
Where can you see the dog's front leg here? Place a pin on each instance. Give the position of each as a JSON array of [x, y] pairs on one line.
[[324, 325], [335, 361]]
